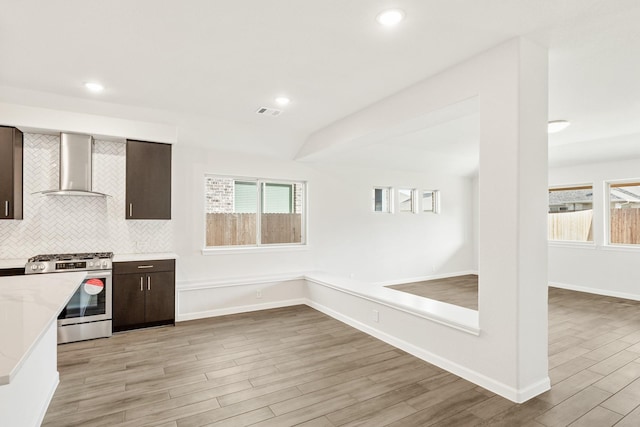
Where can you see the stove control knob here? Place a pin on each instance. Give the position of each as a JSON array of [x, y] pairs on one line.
[[41, 266], [34, 267], [104, 264], [90, 263]]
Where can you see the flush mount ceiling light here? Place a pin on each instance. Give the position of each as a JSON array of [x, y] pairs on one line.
[[282, 101], [94, 87], [390, 17], [557, 125]]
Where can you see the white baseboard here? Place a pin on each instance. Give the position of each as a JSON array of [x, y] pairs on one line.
[[239, 309], [596, 291], [426, 278], [533, 390], [503, 390]]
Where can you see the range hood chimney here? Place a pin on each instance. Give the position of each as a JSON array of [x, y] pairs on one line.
[[75, 166]]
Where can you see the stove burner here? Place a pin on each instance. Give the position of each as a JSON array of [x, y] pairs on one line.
[[71, 257]]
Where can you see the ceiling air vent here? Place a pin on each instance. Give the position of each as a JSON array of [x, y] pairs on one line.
[[265, 111]]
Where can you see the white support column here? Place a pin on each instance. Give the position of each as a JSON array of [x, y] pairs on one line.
[[512, 210]]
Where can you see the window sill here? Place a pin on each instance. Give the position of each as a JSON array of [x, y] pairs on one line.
[[254, 249], [621, 248], [571, 244]]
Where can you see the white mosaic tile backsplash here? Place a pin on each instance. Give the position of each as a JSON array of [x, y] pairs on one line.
[[78, 224]]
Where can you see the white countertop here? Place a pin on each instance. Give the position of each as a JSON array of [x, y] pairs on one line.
[[28, 305], [13, 263], [144, 257]]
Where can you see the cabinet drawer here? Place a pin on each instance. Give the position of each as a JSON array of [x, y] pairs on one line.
[[144, 266]]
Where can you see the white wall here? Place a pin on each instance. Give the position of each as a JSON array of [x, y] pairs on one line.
[[476, 223], [353, 241], [596, 268], [345, 236]]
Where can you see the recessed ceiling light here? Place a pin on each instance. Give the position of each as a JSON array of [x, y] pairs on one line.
[[282, 100], [390, 17], [94, 87], [557, 125]]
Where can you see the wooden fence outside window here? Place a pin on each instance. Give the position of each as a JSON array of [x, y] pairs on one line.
[[235, 229], [625, 226], [578, 226], [571, 226]]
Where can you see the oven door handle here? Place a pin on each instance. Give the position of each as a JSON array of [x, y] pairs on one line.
[[98, 274]]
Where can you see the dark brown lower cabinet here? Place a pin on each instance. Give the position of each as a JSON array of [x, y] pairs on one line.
[[143, 294]]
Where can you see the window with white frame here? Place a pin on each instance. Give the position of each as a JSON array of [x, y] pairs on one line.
[[406, 200], [570, 216], [431, 201], [253, 212], [382, 199], [623, 200]]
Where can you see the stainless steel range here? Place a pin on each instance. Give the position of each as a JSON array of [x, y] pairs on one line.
[[88, 313]]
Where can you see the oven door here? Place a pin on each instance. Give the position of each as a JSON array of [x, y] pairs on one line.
[[91, 302]]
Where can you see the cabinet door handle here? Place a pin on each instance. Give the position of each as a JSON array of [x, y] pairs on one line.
[[6, 208], [148, 283], [145, 266], [141, 284], [130, 210]]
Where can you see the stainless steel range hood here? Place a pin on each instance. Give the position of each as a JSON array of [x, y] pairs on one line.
[[75, 167]]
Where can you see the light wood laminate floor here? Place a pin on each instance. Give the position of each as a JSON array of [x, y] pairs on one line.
[[459, 290], [297, 366]]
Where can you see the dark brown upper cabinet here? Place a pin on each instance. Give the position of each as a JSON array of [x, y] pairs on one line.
[[11, 145], [148, 180]]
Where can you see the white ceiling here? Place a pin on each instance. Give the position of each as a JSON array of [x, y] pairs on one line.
[[224, 59]]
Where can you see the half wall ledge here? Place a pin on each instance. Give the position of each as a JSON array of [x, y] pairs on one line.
[[461, 318]]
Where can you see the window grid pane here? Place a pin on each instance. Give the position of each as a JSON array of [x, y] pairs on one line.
[[405, 200], [245, 197], [570, 215], [381, 199], [624, 213], [280, 222]]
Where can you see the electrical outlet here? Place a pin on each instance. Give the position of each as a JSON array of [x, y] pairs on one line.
[[258, 293], [375, 316]]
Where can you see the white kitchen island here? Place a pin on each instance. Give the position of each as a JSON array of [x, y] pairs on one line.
[[29, 307]]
